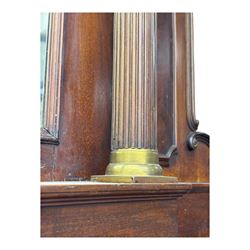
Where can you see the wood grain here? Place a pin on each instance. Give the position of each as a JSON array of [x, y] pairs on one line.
[[83, 209], [166, 99], [85, 120], [193, 214], [111, 220], [189, 165], [110, 210], [72, 209], [53, 189]]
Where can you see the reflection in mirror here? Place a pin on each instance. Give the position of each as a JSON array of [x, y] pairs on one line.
[[44, 27]]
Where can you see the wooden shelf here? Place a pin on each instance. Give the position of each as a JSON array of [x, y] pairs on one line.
[[71, 193]]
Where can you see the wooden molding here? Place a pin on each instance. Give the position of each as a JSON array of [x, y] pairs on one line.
[[50, 130], [164, 159], [200, 187], [192, 121], [79, 192], [76, 193], [195, 137], [47, 137], [172, 150]]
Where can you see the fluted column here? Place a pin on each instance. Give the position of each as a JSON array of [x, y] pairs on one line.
[[134, 81], [134, 100]]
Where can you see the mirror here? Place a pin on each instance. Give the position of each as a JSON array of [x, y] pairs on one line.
[[51, 44], [44, 27]]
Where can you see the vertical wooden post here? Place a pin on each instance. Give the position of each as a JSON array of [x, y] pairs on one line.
[[134, 154]]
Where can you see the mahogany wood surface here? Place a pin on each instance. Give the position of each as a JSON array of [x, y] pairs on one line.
[[166, 138], [70, 188], [193, 215], [85, 119], [188, 165], [107, 220], [70, 209], [89, 209]]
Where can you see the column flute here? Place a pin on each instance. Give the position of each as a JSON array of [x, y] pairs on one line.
[[134, 155]]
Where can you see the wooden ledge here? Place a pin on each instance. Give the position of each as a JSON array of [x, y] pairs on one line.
[[76, 193], [200, 187]]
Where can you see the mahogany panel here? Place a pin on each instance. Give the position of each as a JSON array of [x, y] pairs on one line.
[[190, 165], [193, 215], [132, 219], [47, 162], [166, 141], [85, 119], [80, 209]]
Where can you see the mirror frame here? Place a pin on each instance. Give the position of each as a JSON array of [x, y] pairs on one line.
[[49, 133]]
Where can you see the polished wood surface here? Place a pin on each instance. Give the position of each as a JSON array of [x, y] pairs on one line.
[[188, 165], [85, 117], [111, 220], [76, 209], [193, 215], [81, 208], [166, 99], [52, 189]]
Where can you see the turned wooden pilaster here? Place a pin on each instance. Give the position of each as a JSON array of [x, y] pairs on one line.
[[134, 156]]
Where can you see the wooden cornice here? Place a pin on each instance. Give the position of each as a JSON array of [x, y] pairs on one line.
[[79, 193]]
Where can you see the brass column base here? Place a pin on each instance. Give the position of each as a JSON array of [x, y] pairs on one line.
[[134, 166]]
